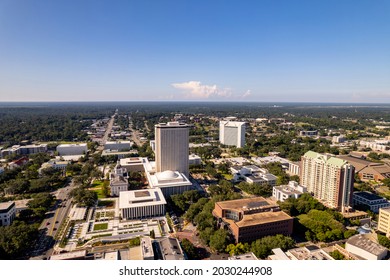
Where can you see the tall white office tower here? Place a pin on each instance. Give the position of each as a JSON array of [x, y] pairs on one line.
[[232, 133], [172, 141], [330, 179]]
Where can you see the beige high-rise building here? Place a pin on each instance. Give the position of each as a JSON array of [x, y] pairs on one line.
[[172, 141], [329, 179], [384, 221]]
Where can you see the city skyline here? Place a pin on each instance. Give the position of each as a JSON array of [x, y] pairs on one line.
[[261, 51]]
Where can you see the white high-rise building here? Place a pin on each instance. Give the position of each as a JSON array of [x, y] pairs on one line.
[[172, 147], [330, 179], [232, 133]]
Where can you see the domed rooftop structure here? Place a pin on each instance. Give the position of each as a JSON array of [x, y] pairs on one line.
[[167, 175]]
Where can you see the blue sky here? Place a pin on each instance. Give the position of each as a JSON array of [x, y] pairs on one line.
[[79, 50]]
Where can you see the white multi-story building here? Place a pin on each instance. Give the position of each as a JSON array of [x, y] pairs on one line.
[[253, 174], [338, 139], [32, 149], [117, 145], [194, 160], [330, 179], [376, 145], [292, 190], [146, 248], [294, 168], [172, 149], [232, 133], [72, 149], [170, 182], [7, 213], [141, 204]]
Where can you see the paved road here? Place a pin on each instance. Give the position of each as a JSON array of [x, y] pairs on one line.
[[134, 134], [52, 222], [108, 132]]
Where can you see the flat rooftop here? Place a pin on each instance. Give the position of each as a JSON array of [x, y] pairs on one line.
[[354, 214], [73, 145], [246, 203], [77, 213], [171, 125], [309, 253], [6, 206], [368, 196], [287, 189], [118, 142], [135, 253], [170, 249], [243, 257], [131, 160], [70, 255], [138, 198], [364, 243], [262, 218]]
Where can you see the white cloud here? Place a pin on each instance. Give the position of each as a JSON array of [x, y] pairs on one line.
[[196, 90], [247, 93]]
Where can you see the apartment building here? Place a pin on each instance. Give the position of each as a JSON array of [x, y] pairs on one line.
[[329, 179]]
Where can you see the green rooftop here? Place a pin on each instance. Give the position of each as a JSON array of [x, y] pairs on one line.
[[328, 160]]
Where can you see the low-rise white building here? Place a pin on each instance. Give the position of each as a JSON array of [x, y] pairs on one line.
[[72, 149], [253, 174], [57, 164], [146, 248], [292, 190], [194, 160], [309, 252], [117, 145], [170, 249], [376, 145], [142, 204], [293, 168], [363, 246], [133, 164], [338, 139], [243, 257], [7, 213]]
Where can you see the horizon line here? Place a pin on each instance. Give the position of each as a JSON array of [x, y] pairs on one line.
[[196, 101]]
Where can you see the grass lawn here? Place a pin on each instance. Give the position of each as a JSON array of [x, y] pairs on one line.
[[228, 176], [100, 226], [384, 190], [97, 186]]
